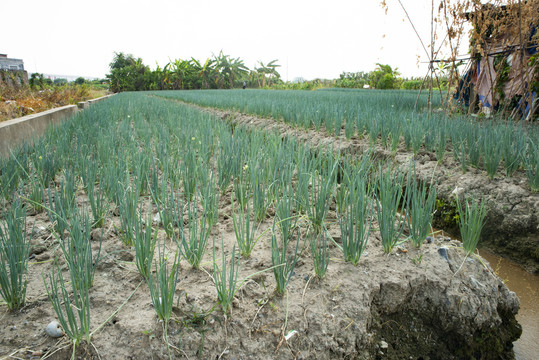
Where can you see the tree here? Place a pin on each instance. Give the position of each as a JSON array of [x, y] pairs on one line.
[[353, 80], [206, 72], [37, 80], [384, 77], [176, 70], [267, 73], [219, 72], [79, 81], [238, 70], [127, 73], [228, 70], [60, 81]]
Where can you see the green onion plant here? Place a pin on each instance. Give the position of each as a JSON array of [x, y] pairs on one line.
[[492, 153], [188, 173], [245, 230], [388, 200], [210, 201], [355, 221], [513, 149], [171, 212], [531, 164], [441, 144], [194, 246], [473, 139], [471, 221], [258, 186], [98, 204], [323, 183], [35, 194], [420, 201], [282, 262], [284, 214], [226, 281], [320, 252], [241, 190], [14, 252], [145, 240], [127, 200], [58, 211], [77, 249], [162, 284], [72, 310]]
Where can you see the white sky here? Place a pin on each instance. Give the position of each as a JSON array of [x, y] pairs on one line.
[[309, 38]]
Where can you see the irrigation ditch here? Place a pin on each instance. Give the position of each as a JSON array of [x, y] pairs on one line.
[[427, 303]]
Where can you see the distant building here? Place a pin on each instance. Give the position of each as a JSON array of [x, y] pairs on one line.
[[11, 64], [12, 71]]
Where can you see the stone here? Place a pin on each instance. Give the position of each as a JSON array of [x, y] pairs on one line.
[[54, 329]]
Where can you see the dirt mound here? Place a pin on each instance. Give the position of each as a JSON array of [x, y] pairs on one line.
[[428, 303]]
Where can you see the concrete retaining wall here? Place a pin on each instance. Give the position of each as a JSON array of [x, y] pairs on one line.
[[95, 101], [87, 104], [13, 132]]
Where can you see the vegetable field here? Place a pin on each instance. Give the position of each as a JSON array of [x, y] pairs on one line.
[[157, 229], [390, 117]]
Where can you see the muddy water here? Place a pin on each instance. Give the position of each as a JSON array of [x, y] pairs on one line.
[[526, 286]]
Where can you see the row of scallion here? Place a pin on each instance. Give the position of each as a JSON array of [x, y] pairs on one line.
[[140, 155], [390, 118]]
